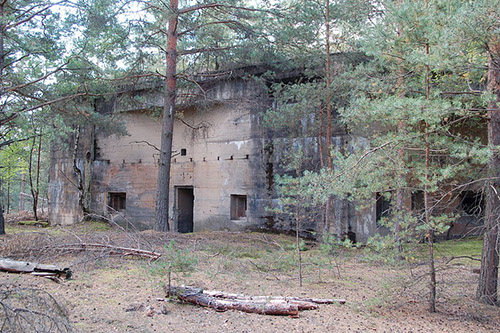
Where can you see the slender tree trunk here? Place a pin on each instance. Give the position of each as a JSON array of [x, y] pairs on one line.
[[2, 51], [430, 233], [36, 192], [487, 291], [401, 156], [80, 184], [32, 183], [328, 131], [297, 244], [162, 192], [2, 220], [22, 193], [2, 65], [320, 137], [8, 196], [328, 85]]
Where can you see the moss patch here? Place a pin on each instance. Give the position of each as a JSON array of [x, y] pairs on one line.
[[43, 224]]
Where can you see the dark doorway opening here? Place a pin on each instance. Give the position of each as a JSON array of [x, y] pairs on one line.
[[184, 209]]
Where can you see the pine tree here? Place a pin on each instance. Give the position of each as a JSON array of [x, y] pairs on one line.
[[205, 33]]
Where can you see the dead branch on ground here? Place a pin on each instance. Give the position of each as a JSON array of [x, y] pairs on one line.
[[113, 250], [49, 271], [31, 310], [267, 305]]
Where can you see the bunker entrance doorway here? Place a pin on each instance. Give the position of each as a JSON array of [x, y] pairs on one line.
[[184, 208]]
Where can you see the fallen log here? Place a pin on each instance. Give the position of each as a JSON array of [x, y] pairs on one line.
[[268, 305], [220, 294], [14, 266], [268, 308]]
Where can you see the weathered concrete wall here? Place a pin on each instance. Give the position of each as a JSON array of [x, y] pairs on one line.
[[219, 150], [223, 157], [64, 208]]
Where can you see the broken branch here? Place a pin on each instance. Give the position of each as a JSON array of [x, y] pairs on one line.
[[125, 251], [14, 266]]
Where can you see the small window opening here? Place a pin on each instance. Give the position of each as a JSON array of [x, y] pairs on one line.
[[383, 207], [117, 201], [417, 201], [183, 152], [238, 206], [473, 203]]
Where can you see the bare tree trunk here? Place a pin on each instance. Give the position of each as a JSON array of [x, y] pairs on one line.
[[427, 207], [35, 185], [2, 64], [430, 233], [33, 189], [297, 244], [487, 291], [79, 175], [329, 161], [22, 193], [8, 196], [163, 189], [2, 220], [401, 157], [328, 84]]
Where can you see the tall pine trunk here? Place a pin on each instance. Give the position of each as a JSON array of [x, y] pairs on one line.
[[162, 192], [427, 207], [35, 183], [487, 291], [2, 220], [401, 155], [2, 64]]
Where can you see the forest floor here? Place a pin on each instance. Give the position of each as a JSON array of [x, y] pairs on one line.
[[109, 293]]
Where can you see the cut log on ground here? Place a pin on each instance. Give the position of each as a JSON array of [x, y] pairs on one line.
[[267, 305], [14, 266], [220, 294]]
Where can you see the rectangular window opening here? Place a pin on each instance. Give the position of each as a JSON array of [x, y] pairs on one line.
[[238, 206], [383, 207], [117, 201]]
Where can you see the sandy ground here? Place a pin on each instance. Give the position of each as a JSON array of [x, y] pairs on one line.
[[115, 294]]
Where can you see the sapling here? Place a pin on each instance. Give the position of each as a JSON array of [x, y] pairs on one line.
[[174, 260]]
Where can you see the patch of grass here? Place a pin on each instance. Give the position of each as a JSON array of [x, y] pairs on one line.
[[236, 251], [94, 226], [43, 224], [461, 247], [471, 247]]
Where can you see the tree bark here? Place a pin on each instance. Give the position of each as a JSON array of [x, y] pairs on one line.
[[265, 308], [221, 294], [35, 185], [8, 196], [79, 175], [268, 305], [22, 193], [401, 154], [8, 265], [427, 207], [328, 84], [2, 220], [487, 291], [2, 62], [163, 186]]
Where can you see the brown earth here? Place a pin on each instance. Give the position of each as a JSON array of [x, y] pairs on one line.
[[109, 293]]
